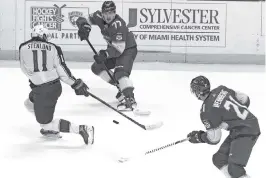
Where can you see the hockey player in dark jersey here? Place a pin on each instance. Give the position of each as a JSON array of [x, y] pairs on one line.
[[43, 63], [120, 53], [224, 108]]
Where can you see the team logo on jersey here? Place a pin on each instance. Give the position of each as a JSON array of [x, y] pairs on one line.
[[207, 124], [73, 16], [119, 37]]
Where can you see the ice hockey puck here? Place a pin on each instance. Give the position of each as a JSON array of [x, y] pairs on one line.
[[114, 121]]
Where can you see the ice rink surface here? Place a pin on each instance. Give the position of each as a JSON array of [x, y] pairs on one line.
[[162, 88]]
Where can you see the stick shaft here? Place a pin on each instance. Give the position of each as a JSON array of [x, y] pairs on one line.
[[165, 146], [108, 72], [108, 105], [110, 75]]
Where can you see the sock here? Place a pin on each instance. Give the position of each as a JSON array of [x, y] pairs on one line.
[[224, 170], [104, 75]]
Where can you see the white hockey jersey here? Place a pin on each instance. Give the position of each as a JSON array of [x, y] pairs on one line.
[[43, 62]]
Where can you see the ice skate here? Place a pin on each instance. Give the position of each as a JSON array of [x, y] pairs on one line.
[[87, 134], [128, 104], [119, 97]]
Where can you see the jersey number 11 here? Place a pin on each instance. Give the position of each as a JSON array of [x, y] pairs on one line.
[[35, 60]]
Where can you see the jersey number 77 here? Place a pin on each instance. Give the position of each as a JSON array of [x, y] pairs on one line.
[[232, 103]]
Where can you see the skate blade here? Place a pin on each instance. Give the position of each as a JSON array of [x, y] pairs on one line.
[[52, 136], [91, 142]]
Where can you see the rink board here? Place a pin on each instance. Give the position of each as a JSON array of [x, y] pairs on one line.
[[185, 32]]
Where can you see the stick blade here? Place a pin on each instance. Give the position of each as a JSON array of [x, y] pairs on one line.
[[154, 126]]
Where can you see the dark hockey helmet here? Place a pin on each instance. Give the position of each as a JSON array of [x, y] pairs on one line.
[[108, 6], [200, 86]]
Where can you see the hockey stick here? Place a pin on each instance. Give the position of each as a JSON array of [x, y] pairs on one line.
[[136, 111], [123, 159], [145, 127]]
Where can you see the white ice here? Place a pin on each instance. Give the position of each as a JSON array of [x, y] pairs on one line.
[[162, 88]]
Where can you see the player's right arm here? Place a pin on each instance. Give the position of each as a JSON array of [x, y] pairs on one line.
[[212, 121], [94, 18], [84, 25], [242, 98]]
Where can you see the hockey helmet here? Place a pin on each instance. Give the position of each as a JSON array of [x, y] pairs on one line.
[[41, 32], [108, 11], [200, 86], [108, 6]]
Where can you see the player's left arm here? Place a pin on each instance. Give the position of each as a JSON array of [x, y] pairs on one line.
[[118, 40], [61, 67], [241, 97]]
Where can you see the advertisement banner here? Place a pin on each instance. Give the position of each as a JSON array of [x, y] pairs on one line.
[[147, 23], [60, 19], [179, 24]]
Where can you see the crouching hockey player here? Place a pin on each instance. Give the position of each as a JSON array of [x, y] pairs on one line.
[[43, 63], [224, 108]]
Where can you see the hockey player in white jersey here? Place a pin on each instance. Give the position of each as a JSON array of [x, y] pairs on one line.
[[43, 63]]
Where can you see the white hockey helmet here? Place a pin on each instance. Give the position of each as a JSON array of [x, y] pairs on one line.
[[40, 31]]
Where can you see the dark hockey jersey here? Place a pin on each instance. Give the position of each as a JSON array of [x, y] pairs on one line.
[[224, 109], [116, 34]]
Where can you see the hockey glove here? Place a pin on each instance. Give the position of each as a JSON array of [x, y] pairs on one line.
[[84, 28], [101, 57], [80, 88], [195, 136]]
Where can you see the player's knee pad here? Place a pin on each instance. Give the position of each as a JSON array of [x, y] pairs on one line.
[[53, 125], [41, 119], [236, 170], [31, 96], [96, 68], [99, 71], [219, 160]]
